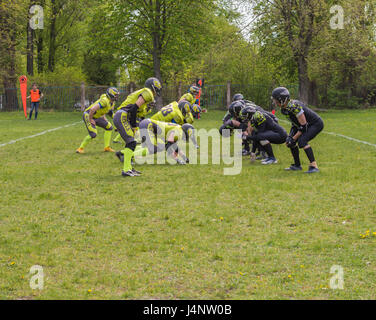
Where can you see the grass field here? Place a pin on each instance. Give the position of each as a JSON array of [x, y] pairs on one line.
[[185, 232]]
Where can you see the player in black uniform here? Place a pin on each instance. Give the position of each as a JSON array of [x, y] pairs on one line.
[[232, 121], [232, 118], [306, 125], [263, 130]]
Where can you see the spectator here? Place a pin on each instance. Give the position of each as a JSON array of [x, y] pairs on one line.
[[35, 95]]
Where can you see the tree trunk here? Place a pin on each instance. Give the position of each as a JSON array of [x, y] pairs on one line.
[[10, 78], [51, 55], [40, 47], [157, 50], [303, 79], [30, 50], [40, 52]]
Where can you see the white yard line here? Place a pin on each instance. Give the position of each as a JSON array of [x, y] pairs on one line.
[[350, 138], [341, 135], [39, 134]]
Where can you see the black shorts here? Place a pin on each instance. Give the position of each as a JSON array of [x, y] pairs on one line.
[[313, 130]]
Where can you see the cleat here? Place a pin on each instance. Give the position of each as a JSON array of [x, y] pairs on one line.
[[312, 170], [109, 149], [129, 173], [136, 173], [120, 156], [80, 150], [269, 160], [245, 153], [262, 156], [293, 167]]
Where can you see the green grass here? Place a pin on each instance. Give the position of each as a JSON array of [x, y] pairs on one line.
[[184, 232]]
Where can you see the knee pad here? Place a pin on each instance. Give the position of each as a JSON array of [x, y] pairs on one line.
[[132, 145]]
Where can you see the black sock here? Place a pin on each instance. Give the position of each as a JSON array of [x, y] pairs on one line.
[[295, 154], [254, 147], [310, 155], [269, 150]]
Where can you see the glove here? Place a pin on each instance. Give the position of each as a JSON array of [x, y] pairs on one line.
[[290, 142]]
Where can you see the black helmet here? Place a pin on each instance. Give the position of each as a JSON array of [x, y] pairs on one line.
[[154, 85], [281, 94], [247, 113], [112, 93], [194, 90], [236, 107], [238, 97], [185, 107]]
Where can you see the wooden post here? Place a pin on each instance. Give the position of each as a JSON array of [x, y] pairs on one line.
[[228, 93], [83, 96]]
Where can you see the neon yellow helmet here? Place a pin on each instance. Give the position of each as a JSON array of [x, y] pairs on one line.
[[185, 107], [154, 85], [112, 93]]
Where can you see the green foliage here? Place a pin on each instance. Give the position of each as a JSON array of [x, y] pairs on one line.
[[100, 68], [62, 76]]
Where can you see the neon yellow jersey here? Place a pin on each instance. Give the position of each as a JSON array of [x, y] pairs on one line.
[[189, 98], [105, 105], [148, 96], [170, 113], [189, 118], [167, 128]]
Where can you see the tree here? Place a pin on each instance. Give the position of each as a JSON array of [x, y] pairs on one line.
[[296, 23], [12, 19], [147, 31]]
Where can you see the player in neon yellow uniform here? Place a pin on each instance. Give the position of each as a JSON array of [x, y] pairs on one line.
[[190, 96], [95, 115], [174, 112], [142, 116], [158, 136], [125, 120]]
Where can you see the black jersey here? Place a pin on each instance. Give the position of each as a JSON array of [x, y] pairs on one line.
[[295, 108], [268, 124], [263, 111]]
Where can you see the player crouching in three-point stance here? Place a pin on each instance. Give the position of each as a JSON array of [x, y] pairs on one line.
[[125, 121], [95, 115], [174, 112], [264, 130], [306, 125], [158, 136]]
